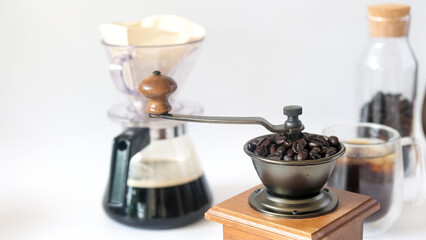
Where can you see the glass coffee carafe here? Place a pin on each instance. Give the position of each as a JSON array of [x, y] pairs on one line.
[[156, 180]]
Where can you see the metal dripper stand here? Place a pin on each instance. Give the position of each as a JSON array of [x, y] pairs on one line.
[[292, 189]]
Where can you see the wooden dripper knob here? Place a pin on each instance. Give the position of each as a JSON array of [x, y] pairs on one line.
[[157, 88]]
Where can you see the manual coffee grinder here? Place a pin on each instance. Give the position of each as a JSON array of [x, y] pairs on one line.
[[156, 180], [293, 166]]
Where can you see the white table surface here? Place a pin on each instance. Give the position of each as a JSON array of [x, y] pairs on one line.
[[55, 138]]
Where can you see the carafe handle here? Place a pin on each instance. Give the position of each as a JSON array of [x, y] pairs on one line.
[[125, 146], [419, 171]]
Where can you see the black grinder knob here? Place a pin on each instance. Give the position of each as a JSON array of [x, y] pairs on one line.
[[293, 125]]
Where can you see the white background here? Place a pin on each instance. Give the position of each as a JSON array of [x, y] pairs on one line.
[[55, 89]]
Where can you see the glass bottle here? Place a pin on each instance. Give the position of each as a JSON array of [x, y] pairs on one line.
[[385, 94], [388, 72]]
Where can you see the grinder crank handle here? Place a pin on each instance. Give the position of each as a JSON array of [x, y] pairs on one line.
[[157, 88], [224, 120]]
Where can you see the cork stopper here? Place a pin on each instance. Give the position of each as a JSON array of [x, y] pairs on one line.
[[389, 20]]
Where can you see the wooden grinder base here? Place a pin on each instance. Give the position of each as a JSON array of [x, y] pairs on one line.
[[240, 221]]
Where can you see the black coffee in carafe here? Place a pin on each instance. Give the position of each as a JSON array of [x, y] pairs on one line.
[[166, 207], [150, 188]]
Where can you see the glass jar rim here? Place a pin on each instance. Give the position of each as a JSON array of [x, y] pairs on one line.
[[395, 134]]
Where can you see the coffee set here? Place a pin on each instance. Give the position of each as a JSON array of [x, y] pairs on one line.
[[156, 180]]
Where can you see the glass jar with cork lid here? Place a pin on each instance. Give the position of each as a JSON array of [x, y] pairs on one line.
[[387, 81]]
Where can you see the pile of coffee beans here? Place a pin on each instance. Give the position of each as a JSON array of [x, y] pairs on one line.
[[389, 109], [308, 147], [392, 110]]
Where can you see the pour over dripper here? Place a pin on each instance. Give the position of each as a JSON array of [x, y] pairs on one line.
[[130, 64]]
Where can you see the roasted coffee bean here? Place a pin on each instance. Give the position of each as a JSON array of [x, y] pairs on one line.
[[330, 152], [306, 136], [316, 149], [251, 146], [262, 151], [306, 152], [299, 145], [323, 141], [294, 147], [290, 152], [266, 143], [272, 148], [281, 150], [315, 153], [260, 141], [279, 139], [324, 150], [334, 141], [275, 156], [314, 143], [317, 139], [287, 143], [302, 155], [333, 148], [313, 137], [302, 142], [288, 158]]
